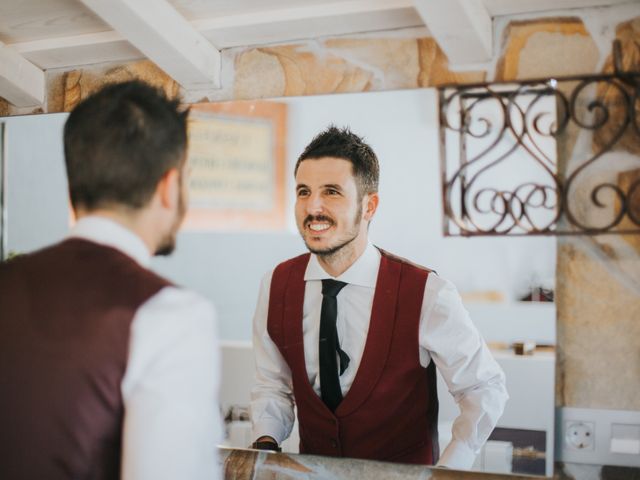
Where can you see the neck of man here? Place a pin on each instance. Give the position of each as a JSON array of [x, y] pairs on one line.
[[134, 220], [338, 262]]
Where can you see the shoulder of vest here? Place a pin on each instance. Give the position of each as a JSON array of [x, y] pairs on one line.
[[125, 261], [304, 258], [396, 258], [21, 259]]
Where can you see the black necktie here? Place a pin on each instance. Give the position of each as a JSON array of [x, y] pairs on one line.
[[329, 346]]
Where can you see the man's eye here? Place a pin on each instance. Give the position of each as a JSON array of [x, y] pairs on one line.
[[303, 193], [332, 192]]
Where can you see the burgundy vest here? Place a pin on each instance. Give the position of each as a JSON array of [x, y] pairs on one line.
[[65, 316], [391, 410]]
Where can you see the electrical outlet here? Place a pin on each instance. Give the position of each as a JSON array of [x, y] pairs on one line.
[[580, 435], [598, 437]]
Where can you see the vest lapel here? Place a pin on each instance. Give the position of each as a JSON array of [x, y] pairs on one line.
[[292, 306], [293, 333], [379, 337]]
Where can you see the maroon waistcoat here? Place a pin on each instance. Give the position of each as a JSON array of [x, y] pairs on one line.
[[65, 317], [391, 410]]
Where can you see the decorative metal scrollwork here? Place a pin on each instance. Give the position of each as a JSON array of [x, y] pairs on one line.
[[542, 157]]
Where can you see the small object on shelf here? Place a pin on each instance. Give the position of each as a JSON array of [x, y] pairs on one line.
[[527, 347], [483, 296], [538, 294]]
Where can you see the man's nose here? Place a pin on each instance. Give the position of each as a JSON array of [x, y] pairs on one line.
[[315, 203]]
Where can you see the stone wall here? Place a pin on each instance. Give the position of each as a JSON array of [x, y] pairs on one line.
[[4, 108], [599, 290], [336, 65]]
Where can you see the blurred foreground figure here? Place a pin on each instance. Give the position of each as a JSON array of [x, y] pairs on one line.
[[106, 369]]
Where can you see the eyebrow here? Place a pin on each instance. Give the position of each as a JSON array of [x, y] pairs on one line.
[[335, 186]]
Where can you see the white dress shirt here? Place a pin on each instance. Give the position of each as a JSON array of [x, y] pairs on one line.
[[170, 388], [446, 335]]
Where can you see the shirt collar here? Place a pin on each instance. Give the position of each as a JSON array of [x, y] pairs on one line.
[[363, 272], [107, 232]]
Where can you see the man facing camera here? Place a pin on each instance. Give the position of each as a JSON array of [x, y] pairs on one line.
[[353, 334], [107, 370]]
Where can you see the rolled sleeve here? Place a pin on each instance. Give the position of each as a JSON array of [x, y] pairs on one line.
[[473, 377], [272, 412]]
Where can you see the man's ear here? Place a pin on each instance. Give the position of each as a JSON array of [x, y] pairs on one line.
[[371, 205], [168, 189]]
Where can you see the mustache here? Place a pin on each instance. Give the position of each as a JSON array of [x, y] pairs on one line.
[[318, 218]]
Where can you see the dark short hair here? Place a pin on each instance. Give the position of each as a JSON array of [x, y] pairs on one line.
[[119, 142], [342, 143]]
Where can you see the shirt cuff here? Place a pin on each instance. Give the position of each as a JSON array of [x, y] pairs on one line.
[[457, 455], [270, 428]]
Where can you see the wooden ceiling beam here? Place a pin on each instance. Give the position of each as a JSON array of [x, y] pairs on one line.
[[301, 13], [21, 82], [462, 28], [156, 29], [259, 27]]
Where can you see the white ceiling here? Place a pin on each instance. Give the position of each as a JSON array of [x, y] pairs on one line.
[[65, 34], [27, 20], [40, 28]]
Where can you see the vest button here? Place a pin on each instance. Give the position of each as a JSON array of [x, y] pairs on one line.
[[334, 444]]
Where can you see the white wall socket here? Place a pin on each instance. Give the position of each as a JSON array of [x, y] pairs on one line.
[[579, 435], [598, 437]]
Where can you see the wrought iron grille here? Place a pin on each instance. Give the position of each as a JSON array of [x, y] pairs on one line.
[[542, 157]]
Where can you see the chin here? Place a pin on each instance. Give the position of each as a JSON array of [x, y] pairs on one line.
[[316, 245], [323, 248]]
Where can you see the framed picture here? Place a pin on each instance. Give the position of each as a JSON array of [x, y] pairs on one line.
[[237, 161]]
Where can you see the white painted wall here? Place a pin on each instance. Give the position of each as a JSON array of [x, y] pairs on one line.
[[37, 199]]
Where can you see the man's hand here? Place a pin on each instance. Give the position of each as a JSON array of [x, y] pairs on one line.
[[266, 443]]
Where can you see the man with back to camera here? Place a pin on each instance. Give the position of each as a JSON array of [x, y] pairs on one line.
[[107, 370], [354, 334]]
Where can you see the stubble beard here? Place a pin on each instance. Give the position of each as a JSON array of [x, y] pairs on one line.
[[333, 253]]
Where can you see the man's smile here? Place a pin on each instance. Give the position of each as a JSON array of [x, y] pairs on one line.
[[319, 227], [318, 224]]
